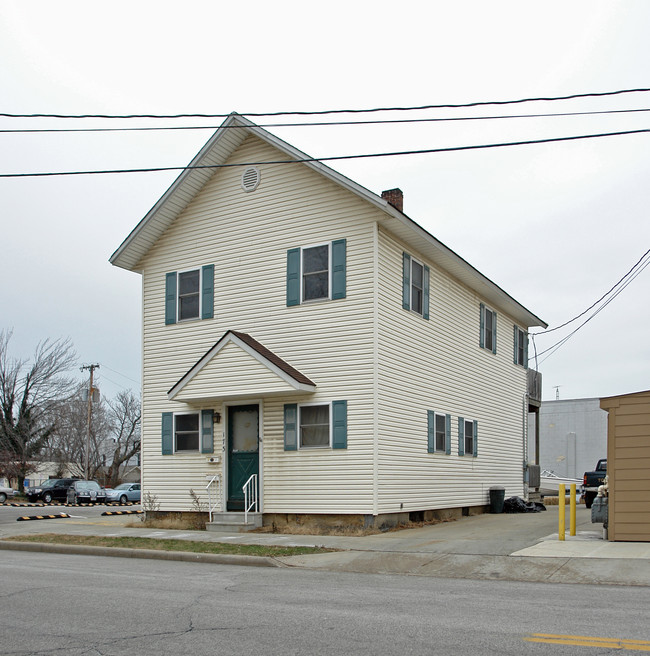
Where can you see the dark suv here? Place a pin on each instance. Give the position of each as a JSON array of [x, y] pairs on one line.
[[86, 492], [54, 489]]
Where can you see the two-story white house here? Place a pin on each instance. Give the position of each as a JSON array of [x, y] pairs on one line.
[[302, 334]]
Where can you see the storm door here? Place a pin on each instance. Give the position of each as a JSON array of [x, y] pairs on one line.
[[243, 451]]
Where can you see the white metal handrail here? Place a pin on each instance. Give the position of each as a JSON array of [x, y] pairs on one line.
[[214, 484], [250, 496]]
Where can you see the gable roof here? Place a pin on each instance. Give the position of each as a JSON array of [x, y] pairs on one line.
[[271, 374], [227, 139]]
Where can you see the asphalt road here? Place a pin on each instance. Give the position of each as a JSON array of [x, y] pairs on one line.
[[74, 605]]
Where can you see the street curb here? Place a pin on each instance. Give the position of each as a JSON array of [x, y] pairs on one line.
[[153, 554]]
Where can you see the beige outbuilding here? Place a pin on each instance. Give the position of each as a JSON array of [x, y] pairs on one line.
[[628, 466]]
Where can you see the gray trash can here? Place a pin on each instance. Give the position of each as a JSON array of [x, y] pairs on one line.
[[497, 496]]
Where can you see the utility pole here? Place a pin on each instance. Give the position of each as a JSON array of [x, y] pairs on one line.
[[92, 368], [557, 391]]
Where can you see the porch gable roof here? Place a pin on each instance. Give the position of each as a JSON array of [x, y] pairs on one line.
[[238, 366]]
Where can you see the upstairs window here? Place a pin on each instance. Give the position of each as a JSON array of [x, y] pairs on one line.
[[316, 273], [521, 347], [415, 286], [488, 329], [189, 295]]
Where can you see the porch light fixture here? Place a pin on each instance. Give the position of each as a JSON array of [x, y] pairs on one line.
[[216, 418]]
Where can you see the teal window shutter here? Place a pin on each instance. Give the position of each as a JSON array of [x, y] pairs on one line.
[[339, 248], [461, 436], [293, 276], [339, 424], [481, 338], [494, 332], [290, 427], [447, 434], [425, 294], [431, 431], [406, 281], [207, 433], [170, 298], [207, 300], [167, 433], [475, 439], [516, 346]]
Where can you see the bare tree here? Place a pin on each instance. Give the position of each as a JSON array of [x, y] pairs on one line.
[[68, 443], [30, 393], [124, 412]]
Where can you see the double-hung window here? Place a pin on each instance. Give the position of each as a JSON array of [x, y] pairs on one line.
[[415, 286], [316, 273], [189, 295], [439, 432], [316, 426], [467, 437], [314, 421], [520, 347], [187, 431], [488, 329]]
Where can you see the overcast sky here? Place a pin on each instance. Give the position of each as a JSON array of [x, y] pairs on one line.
[[555, 225]]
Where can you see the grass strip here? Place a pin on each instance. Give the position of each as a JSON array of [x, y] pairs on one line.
[[193, 546]]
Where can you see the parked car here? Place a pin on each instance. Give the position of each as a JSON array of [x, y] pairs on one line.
[[54, 489], [6, 492], [86, 492], [124, 492]]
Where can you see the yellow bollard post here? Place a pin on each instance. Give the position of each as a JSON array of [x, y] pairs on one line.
[[562, 520], [572, 509]]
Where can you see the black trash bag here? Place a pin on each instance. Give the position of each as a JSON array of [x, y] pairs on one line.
[[518, 505]]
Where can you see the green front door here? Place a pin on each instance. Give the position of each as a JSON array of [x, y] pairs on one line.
[[243, 451]]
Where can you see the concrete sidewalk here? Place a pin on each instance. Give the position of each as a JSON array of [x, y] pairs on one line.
[[521, 547]]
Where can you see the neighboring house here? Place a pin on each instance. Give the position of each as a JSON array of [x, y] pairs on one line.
[[572, 436], [298, 327], [628, 466]]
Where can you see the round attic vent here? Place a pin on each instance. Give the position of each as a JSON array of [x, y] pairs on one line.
[[250, 179]]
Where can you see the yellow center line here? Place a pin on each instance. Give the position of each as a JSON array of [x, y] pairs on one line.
[[589, 641]]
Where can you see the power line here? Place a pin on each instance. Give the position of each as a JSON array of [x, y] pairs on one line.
[[629, 278], [323, 123], [593, 305], [339, 111], [326, 159]]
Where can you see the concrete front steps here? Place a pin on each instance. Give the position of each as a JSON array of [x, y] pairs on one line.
[[233, 522]]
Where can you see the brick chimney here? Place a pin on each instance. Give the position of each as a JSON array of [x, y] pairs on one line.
[[395, 197]]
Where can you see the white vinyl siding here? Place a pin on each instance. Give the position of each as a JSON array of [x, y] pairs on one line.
[[247, 236], [440, 366]]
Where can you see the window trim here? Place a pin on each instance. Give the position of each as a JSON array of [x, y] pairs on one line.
[[196, 413], [299, 426], [329, 274], [462, 437], [520, 342], [407, 285], [432, 419], [199, 293], [484, 310]]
